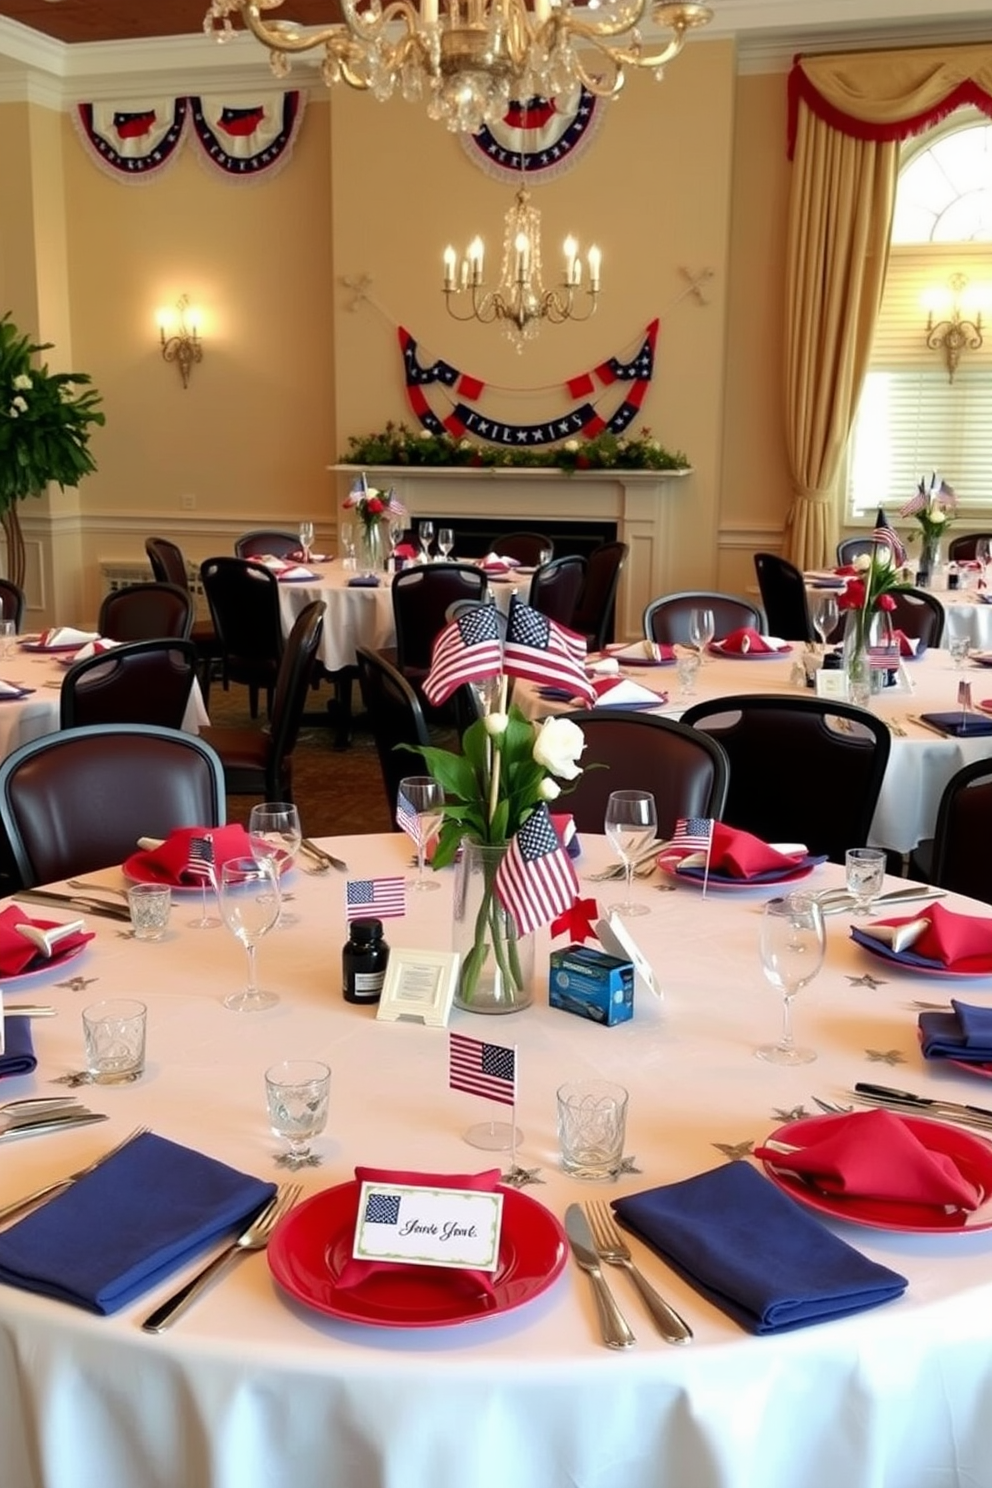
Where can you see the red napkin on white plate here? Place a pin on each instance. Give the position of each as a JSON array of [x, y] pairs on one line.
[[170, 863], [621, 692], [961, 942], [737, 854], [282, 569], [65, 635], [495, 563], [749, 642], [874, 1155], [18, 954], [908, 645]]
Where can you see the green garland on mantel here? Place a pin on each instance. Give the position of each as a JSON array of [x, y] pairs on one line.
[[399, 445]]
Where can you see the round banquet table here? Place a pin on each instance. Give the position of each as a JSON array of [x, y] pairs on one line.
[[252, 1389]]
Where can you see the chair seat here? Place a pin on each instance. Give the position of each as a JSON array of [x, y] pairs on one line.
[[243, 750]]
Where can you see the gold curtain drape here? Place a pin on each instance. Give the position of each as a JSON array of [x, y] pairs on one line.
[[847, 116]]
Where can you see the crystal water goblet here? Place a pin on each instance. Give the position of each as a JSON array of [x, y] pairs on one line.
[[865, 872], [425, 532], [420, 803], [306, 540], [8, 637], [445, 542], [274, 832], [250, 902], [346, 534], [793, 943], [702, 628], [824, 614], [297, 1093], [631, 824], [958, 648]]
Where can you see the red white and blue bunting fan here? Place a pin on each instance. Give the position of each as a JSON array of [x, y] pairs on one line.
[[537, 137], [134, 141], [583, 419], [248, 140]]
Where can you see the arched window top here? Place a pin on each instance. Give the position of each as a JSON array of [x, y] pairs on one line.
[[945, 186]]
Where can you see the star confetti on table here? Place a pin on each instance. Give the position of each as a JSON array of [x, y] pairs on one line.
[[625, 1165], [124, 934], [885, 1056], [795, 1113], [520, 1177], [735, 1151], [77, 983], [866, 981], [576, 922]]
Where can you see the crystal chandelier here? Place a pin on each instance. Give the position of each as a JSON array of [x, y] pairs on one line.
[[520, 302], [469, 58]]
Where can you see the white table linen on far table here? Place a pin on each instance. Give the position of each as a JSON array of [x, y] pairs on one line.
[[920, 763], [253, 1390]]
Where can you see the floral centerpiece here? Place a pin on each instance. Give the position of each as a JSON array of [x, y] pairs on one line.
[[867, 597], [45, 427], [933, 508], [373, 507], [397, 444]]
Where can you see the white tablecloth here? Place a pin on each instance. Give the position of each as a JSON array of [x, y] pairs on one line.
[[252, 1390]]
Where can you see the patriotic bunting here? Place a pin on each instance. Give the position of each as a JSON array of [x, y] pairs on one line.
[[135, 141], [537, 137]]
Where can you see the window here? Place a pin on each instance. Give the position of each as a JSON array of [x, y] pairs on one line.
[[912, 419]]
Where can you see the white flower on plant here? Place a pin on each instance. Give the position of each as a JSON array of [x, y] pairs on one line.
[[862, 562], [464, 444], [496, 724], [938, 514], [557, 747], [21, 404], [14, 412], [549, 790], [425, 434], [572, 445], [22, 381]]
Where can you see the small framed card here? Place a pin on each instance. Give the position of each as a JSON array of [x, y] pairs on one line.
[[831, 684], [456, 1227], [419, 985]]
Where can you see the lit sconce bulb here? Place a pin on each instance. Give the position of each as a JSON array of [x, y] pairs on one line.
[[595, 259], [449, 267], [476, 255], [572, 261]]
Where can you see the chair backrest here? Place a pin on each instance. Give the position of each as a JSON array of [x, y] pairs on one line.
[[141, 682], [964, 546], [555, 589], [266, 541], [78, 800], [666, 620], [595, 610], [167, 561], [395, 717], [920, 613], [850, 548], [964, 826], [146, 612], [421, 599], [525, 547], [293, 680], [685, 770], [244, 604], [783, 597], [12, 602], [801, 769]]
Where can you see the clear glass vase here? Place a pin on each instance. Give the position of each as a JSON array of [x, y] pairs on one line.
[[863, 633], [931, 564], [496, 971], [371, 554]]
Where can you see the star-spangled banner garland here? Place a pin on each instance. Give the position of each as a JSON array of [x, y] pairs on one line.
[[583, 419], [138, 141], [537, 137]]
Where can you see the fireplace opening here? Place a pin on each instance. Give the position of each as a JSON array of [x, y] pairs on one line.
[[476, 536]]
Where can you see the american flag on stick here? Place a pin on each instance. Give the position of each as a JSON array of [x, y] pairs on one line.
[[200, 858], [543, 651], [383, 898], [536, 881], [885, 535], [489, 1070], [467, 650], [692, 834], [406, 817]]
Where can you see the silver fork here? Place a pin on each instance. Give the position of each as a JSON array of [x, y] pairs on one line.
[[254, 1237], [831, 1107], [612, 1249], [51, 1189]]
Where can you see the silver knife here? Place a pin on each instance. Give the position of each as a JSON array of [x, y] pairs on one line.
[[905, 1100], [328, 859], [28, 1010], [62, 1122], [74, 901], [615, 1328]]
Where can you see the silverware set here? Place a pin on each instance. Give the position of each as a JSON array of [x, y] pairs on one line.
[[40, 1195], [88, 903], [594, 1237], [35, 1115], [321, 859], [644, 865]]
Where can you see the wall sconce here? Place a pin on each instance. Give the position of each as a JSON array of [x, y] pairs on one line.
[[953, 334], [183, 345]]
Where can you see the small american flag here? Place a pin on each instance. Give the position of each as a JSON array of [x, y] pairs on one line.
[[200, 858], [543, 651], [489, 1070], [915, 503], [536, 881], [406, 818], [384, 898], [692, 834], [467, 650], [886, 535]]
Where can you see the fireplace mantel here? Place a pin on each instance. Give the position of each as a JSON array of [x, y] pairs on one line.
[[638, 501]]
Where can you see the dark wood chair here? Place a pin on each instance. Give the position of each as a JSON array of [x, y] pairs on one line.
[[685, 770], [259, 762], [264, 541], [666, 620], [801, 769], [595, 611], [78, 800], [918, 613], [555, 589], [525, 547], [12, 602], [142, 682], [850, 548], [169, 567], [395, 717], [964, 547], [146, 612], [244, 602], [956, 858], [422, 597], [783, 598]]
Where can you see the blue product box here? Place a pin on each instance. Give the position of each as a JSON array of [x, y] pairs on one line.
[[592, 985]]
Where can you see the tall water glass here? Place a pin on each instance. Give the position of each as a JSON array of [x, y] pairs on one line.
[[306, 540], [631, 825], [250, 903], [425, 532], [792, 949], [274, 832], [420, 802], [865, 870], [702, 628]]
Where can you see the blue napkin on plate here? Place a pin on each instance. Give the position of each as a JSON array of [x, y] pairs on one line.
[[754, 1252], [965, 1034], [139, 1216], [363, 581], [959, 724], [18, 1057]]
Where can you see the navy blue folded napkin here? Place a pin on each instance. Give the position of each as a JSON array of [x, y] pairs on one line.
[[959, 723], [558, 694], [18, 1057], [964, 1034], [754, 1252], [363, 581], [139, 1216]]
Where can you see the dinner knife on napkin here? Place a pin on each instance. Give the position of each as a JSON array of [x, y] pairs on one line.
[[62, 1121], [614, 1326], [74, 901], [926, 1105]]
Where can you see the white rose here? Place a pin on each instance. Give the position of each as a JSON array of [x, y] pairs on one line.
[[495, 724], [558, 744], [862, 562], [572, 445], [549, 790], [21, 404], [937, 515], [425, 434], [14, 413], [22, 380]]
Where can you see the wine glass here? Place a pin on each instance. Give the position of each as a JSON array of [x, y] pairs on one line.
[[702, 628], [445, 541], [306, 539], [297, 1092], [865, 870], [419, 806], [8, 637], [425, 532], [346, 533], [274, 832], [793, 943], [824, 614], [631, 824], [250, 902], [395, 529]]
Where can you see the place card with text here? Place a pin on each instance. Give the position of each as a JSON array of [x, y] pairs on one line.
[[428, 1226]]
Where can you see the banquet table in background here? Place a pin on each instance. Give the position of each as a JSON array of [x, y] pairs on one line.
[[251, 1389]]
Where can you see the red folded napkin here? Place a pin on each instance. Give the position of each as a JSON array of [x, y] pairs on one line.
[[18, 954], [354, 1271], [907, 646], [747, 641], [404, 550], [170, 862], [874, 1155], [960, 942], [740, 855]]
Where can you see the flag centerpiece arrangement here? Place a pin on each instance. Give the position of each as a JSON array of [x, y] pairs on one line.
[[514, 873], [373, 509]]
